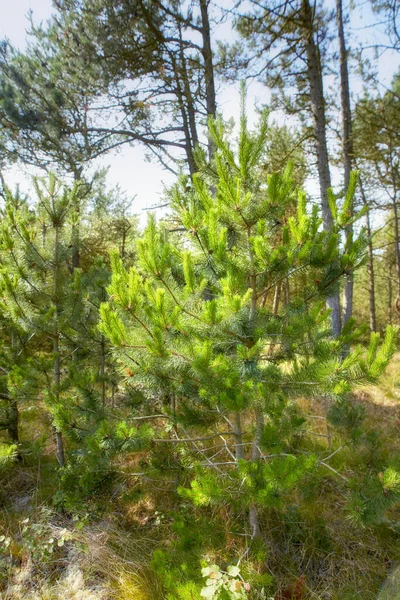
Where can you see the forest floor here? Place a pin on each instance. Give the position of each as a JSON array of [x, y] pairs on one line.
[[147, 545]]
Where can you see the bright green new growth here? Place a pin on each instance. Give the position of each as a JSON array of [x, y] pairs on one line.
[[8, 453]]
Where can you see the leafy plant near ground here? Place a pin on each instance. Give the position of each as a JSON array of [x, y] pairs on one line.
[[228, 584]]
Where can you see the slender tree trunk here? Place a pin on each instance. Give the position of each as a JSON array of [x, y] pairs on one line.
[[390, 298], [103, 371], [12, 428], [76, 258], [13, 420], [238, 436], [371, 267], [173, 407], [347, 145], [123, 242], [103, 360], [57, 377], [317, 102], [286, 290], [371, 278], [56, 347], [211, 103], [397, 250], [255, 455], [191, 111], [13, 412], [183, 109], [277, 294], [113, 396]]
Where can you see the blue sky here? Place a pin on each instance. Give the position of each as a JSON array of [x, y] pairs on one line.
[[128, 168]]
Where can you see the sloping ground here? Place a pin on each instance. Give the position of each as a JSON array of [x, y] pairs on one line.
[[314, 552]]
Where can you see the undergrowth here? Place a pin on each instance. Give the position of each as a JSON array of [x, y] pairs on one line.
[[127, 539]]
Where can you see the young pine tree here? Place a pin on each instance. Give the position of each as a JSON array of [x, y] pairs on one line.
[[37, 284], [197, 331]]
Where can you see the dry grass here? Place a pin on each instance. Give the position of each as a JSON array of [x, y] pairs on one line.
[[357, 561], [110, 560], [100, 562]]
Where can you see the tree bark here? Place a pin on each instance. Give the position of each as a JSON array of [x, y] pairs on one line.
[[76, 258], [13, 419], [370, 267], [185, 103], [255, 455], [347, 145], [317, 103], [397, 250], [13, 412], [103, 371], [211, 103], [56, 347], [191, 111], [390, 298], [277, 294], [238, 436], [57, 375], [286, 290], [371, 278]]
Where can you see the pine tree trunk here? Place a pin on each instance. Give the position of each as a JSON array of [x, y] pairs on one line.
[[60, 449], [211, 103], [370, 267], [13, 412], [103, 371], [56, 347], [397, 250], [123, 242], [175, 428], [255, 455], [317, 101], [13, 421], [59, 439], [286, 290], [76, 258], [238, 436], [347, 145], [183, 100], [277, 294], [113, 396], [190, 107], [390, 298], [371, 277]]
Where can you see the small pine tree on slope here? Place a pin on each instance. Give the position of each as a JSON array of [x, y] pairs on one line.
[[42, 295], [35, 276], [195, 333]]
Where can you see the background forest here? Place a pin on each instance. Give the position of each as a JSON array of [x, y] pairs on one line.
[[202, 403]]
